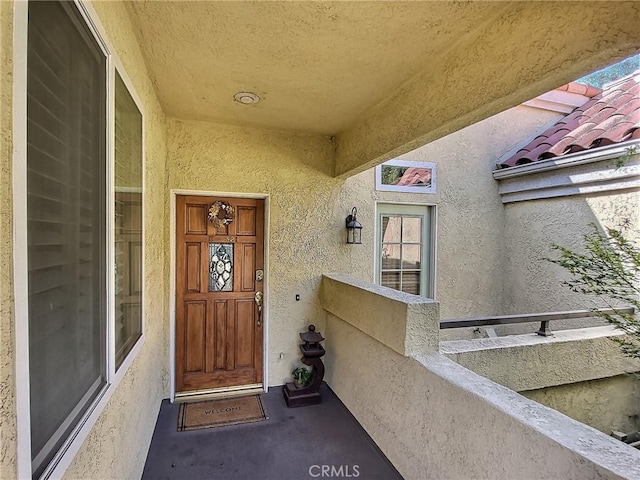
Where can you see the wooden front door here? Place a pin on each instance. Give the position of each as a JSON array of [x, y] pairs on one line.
[[219, 272]]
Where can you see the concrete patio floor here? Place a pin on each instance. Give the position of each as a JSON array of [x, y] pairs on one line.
[[292, 444]]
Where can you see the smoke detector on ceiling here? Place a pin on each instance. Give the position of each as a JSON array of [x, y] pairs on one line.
[[246, 98]]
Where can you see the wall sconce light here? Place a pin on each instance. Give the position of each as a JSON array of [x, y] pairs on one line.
[[354, 229]]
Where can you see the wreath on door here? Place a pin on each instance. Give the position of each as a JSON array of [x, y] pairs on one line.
[[221, 214]]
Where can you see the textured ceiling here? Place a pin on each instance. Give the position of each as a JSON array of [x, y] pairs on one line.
[[317, 66], [381, 77]]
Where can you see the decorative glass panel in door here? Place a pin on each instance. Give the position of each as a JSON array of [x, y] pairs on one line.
[[221, 267]]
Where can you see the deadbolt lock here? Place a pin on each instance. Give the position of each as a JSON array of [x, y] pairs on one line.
[[259, 275]]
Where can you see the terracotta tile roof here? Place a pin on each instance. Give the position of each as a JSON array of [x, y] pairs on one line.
[[611, 116]]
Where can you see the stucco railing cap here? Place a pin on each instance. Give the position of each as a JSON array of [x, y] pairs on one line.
[[379, 289]]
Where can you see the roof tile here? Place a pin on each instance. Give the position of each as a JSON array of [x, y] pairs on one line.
[[617, 134], [580, 89], [610, 116], [561, 147]]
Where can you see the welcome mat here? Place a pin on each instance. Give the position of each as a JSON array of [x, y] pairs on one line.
[[222, 412]]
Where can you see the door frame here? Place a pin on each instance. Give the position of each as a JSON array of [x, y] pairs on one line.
[[173, 196]]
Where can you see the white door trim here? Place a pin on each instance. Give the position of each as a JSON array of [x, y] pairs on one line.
[[173, 193]]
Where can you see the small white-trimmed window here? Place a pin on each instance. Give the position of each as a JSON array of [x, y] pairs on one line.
[[404, 248], [406, 176]]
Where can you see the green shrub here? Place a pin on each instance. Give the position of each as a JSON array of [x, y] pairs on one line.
[[608, 269]]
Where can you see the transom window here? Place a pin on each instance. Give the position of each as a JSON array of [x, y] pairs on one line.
[[403, 248]]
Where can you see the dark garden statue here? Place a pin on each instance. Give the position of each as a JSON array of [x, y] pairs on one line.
[[300, 395]]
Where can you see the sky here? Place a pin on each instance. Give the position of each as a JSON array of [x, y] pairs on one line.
[[612, 72]]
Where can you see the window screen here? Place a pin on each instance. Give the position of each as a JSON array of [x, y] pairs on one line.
[[66, 223]]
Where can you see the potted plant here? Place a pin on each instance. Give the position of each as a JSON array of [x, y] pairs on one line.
[[301, 377]]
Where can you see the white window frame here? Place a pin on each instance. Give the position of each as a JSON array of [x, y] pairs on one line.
[[126, 363], [429, 215], [404, 188], [72, 445]]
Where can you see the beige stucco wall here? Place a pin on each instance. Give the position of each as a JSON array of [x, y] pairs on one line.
[[532, 227], [470, 224], [489, 255], [307, 208], [7, 376], [117, 445], [607, 404]]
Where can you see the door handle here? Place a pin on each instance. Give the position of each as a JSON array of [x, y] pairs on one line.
[[258, 299]]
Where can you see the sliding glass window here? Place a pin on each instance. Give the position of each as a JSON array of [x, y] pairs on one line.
[[76, 342], [127, 222]]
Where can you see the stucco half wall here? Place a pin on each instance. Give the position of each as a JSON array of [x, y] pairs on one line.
[[407, 323], [531, 362], [608, 404], [435, 419]]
